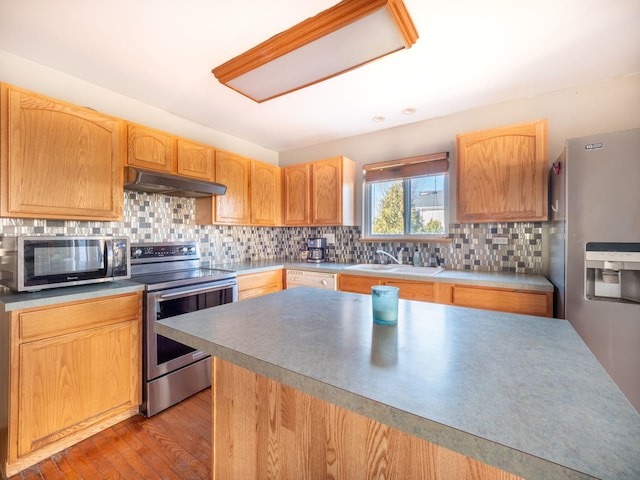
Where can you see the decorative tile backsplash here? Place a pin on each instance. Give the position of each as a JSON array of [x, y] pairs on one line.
[[160, 218]]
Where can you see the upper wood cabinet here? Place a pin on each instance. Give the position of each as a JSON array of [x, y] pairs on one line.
[[502, 174], [233, 171], [265, 194], [233, 207], [59, 160], [162, 152], [319, 193], [151, 149], [296, 194], [195, 160], [252, 196]]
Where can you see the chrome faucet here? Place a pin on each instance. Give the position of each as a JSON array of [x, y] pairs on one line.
[[391, 256]]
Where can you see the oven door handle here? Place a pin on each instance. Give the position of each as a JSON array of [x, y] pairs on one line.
[[182, 293]]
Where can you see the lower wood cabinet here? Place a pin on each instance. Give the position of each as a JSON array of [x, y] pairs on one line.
[[75, 369], [357, 283], [260, 283], [487, 298], [503, 300], [409, 289]]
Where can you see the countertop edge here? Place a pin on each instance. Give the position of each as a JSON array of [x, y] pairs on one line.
[[487, 451], [525, 282], [43, 298]]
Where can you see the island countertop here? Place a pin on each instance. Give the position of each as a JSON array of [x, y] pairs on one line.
[[518, 392]]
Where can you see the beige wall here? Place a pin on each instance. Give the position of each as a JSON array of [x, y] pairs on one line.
[[44, 80], [606, 106]]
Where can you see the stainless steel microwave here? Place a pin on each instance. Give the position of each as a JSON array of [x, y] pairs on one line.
[[29, 263]]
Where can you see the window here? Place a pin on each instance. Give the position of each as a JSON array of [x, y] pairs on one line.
[[407, 198]]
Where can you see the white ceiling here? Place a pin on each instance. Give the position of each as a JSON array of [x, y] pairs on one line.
[[469, 54]]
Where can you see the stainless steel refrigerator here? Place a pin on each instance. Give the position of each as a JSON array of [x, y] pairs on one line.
[[594, 250]]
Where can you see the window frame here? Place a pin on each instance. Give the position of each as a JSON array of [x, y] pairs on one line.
[[405, 170]]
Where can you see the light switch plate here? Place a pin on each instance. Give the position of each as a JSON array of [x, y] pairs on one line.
[[331, 238], [500, 240]]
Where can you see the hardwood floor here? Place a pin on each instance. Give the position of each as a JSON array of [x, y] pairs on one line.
[[174, 444]]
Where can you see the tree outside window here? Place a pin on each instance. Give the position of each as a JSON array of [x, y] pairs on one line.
[[406, 197], [424, 197]]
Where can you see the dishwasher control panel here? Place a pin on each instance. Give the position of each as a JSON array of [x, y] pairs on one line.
[[305, 278]]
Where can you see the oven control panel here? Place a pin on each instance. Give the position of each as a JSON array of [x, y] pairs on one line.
[[141, 251]]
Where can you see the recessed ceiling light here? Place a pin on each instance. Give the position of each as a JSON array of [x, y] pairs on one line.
[[409, 111], [378, 118]]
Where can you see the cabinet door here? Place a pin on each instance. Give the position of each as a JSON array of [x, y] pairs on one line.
[[151, 149], [296, 187], [502, 174], [75, 369], [67, 382], [326, 192], [260, 283], [265, 194], [410, 290], [59, 160], [195, 160], [233, 171], [357, 283], [512, 301]]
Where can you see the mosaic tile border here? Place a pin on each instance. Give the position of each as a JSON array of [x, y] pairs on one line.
[[152, 217]]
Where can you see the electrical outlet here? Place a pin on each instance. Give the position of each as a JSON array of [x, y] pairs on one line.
[[331, 238], [227, 240], [500, 240]]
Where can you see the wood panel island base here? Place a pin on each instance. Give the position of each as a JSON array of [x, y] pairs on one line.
[[264, 429], [306, 386]]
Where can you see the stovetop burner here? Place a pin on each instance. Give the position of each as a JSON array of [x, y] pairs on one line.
[[167, 265]]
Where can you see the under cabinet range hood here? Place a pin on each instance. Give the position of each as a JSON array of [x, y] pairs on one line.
[[157, 182]]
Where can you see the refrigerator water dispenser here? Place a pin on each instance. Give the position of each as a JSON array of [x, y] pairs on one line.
[[612, 272]]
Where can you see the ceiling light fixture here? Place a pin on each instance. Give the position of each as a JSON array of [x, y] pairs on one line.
[[341, 38]]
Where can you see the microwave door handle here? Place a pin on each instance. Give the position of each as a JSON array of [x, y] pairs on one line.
[[192, 291], [108, 253]]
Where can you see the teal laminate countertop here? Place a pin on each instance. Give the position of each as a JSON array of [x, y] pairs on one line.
[[461, 277], [518, 392]]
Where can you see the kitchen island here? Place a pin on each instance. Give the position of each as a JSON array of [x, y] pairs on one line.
[[523, 394]]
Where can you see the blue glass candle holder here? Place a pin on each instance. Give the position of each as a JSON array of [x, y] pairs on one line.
[[384, 304]]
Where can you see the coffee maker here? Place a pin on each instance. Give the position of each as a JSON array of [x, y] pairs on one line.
[[317, 250]]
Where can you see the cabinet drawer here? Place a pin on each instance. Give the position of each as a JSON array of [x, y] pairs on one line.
[[71, 317], [513, 301]]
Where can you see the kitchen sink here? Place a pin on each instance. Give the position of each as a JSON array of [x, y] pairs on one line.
[[408, 269], [372, 267], [426, 271]]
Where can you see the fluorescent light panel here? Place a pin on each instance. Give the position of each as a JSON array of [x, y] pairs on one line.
[[346, 36]]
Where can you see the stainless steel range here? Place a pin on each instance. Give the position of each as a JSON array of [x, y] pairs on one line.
[[175, 284]]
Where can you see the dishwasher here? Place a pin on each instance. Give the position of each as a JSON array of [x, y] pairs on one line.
[[305, 278]]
